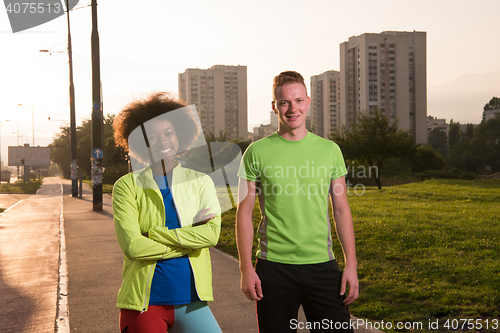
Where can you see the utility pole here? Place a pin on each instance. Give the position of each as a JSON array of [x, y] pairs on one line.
[[97, 145], [74, 170]]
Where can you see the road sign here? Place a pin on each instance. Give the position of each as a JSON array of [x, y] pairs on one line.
[[29, 156], [97, 153]]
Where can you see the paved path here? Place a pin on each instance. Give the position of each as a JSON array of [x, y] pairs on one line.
[[94, 263], [8, 200], [29, 257]]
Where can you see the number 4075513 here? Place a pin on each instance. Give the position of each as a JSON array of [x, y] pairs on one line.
[[33, 8], [471, 324]]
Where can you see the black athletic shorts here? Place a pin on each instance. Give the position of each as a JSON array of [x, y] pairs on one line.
[[315, 286]]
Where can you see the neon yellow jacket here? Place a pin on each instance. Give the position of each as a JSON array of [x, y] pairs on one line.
[[138, 208]]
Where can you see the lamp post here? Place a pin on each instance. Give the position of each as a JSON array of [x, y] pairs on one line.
[[74, 173], [17, 141], [32, 121]]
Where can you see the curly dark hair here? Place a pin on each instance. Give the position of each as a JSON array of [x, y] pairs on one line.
[[144, 109], [286, 78]]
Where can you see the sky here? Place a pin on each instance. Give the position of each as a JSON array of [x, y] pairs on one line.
[[145, 45]]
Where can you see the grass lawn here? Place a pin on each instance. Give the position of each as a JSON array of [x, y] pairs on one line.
[[106, 188], [426, 251], [20, 187]]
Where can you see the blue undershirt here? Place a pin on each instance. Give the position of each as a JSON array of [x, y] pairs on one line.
[[173, 280]]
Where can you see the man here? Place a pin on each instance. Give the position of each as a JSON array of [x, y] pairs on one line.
[[292, 172]]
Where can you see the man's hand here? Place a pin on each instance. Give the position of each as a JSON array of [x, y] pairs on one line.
[[350, 278], [250, 285], [202, 217]]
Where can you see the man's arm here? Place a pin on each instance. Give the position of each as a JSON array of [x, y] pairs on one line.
[[345, 232], [250, 282]]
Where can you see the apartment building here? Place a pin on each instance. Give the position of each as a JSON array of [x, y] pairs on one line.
[[434, 122], [490, 114], [220, 96], [324, 111], [262, 131], [274, 119], [387, 71]]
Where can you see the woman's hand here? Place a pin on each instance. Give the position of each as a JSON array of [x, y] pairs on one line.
[[202, 217]]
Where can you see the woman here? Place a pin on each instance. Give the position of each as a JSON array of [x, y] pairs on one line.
[[166, 217]]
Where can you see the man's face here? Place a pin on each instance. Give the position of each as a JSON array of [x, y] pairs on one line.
[[291, 105]]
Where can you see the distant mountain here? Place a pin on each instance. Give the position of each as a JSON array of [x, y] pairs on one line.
[[463, 99]]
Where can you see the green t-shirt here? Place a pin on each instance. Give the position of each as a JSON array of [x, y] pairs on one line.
[[294, 180]]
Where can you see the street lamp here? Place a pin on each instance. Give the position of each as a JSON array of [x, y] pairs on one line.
[[73, 149], [32, 121], [50, 51], [17, 140], [61, 120]]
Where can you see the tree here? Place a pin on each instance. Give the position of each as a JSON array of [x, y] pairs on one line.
[[60, 151], [463, 157], [485, 145], [454, 134], [493, 104], [438, 141], [312, 129], [426, 158], [469, 132], [372, 139], [221, 137]]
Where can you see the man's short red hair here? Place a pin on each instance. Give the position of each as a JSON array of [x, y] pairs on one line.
[[286, 78]]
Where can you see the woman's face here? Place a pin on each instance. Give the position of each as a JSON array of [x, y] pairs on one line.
[[162, 139]]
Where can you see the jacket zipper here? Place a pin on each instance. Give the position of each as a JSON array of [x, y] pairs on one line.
[[175, 204], [180, 220], [151, 269], [147, 292]]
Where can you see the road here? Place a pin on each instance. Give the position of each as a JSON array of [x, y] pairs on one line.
[[29, 257]]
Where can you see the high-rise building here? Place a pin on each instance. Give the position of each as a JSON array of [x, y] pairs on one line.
[[262, 131], [386, 71], [220, 96], [274, 119], [434, 122], [325, 103]]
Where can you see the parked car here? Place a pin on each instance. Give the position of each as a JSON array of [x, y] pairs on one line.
[[5, 177]]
